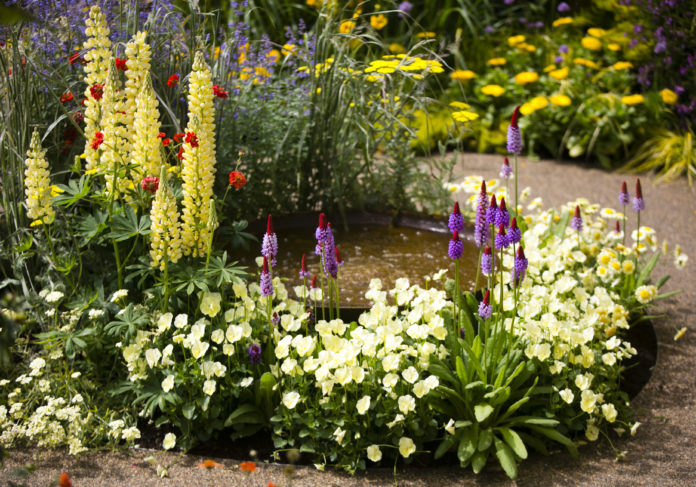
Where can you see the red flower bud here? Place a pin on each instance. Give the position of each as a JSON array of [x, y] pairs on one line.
[[150, 183], [237, 179], [220, 92], [173, 80], [322, 221], [66, 97], [269, 225], [515, 116], [121, 64], [97, 90], [639, 190]]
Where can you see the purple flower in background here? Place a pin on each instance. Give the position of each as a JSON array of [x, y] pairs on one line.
[[519, 269], [503, 216], [492, 212], [501, 240], [266, 283], [254, 353], [514, 136], [623, 195], [563, 49], [489, 29], [405, 9], [456, 247], [484, 309], [514, 233], [487, 261], [638, 202], [576, 221], [480, 224], [563, 7], [269, 245], [509, 2], [506, 169], [456, 220], [558, 59]]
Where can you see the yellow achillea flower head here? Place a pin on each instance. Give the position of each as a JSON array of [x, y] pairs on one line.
[[526, 77], [514, 40], [497, 61], [37, 183], [493, 90], [138, 56], [668, 96], [562, 21], [145, 156], [632, 99], [613, 46], [622, 65], [596, 32], [586, 62], [591, 43], [559, 74], [560, 100], [165, 232], [378, 22], [198, 166], [462, 75]]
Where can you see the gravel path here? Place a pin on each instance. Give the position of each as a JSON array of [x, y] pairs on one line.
[[661, 453]]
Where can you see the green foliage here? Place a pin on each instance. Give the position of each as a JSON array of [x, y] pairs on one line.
[[670, 154]]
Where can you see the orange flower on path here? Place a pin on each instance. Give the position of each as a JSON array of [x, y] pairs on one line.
[[64, 480], [209, 464], [247, 466], [271, 484]]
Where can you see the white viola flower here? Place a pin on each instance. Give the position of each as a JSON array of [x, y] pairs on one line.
[[121, 293], [391, 362], [357, 373], [209, 387], [283, 348], [181, 321], [198, 329], [406, 446], [339, 434], [152, 356], [609, 412], [567, 395], [168, 383], [406, 404], [390, 380], [588, 399], [228, 349], [164, 322], [246, 382], [169, 441], [217, 336], [363, 405], [130, 434], [198, 349], [234, 333], [410, 374], [420, 389], [583, 381], [290, 399], [449, 427], [374, 454], [609, 359], [634, 428], [288, 366], [592, 431]]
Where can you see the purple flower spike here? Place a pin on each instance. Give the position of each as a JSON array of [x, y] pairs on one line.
[[405, 9], [514, 136], [337, 254], [266, 282], [502, 217], [269, 245], [576, 222], [481, 223], [321, 230], [514, 232], [563, 7], [501, 240], [638, 202], [303, 268], [519, 269], [484, 309], [456, 247], [623, 195], [456, 220], [492, 212], [505, 169], [254, 353], [487, 261]]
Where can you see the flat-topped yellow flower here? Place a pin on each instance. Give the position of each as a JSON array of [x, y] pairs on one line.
[[497, 61], [560, 100], [586, 62], [400, 62], [613, 46], [536, 103], [668, 96], [378, 22], [346, 26], [559, 74], [464, 116], [591, 43], [396, 48], [426, 35], [562, 21], [526, 77], [493, 90], [596, 32], [515, 40], [622, 65], [462, 75], [632, 99]]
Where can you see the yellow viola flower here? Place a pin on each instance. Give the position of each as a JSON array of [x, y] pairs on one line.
[[462, 75], [378, 22], [560, 100], [632, 99], [622, 65], [346, 26], [668, 96], [591, 43], [515, 40], [562, 21], [526, 77], [559, 74], [493, 90], [497, 61], [613, 46], [596, 32]]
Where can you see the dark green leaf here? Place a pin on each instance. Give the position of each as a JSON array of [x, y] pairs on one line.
[[506, 458], [514, 441]]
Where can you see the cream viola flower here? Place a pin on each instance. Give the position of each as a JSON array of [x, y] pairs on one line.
[[169, 441], [583, 381], [209, 387], [406, 446], [152, 356], [37, 183], [410, 375], [609, 412], [592, 431], [567, 395], [168, 383], [374, 454], [390, 380], [406, 404], [210, 304], [198, 349], [290, 399], [363, 405], [218, 336], [588, 399], [130, 434]]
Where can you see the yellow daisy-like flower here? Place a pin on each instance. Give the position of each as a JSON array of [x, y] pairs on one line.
[[562, 21], [464, 116], [396, 48], [622, 65], [526, 77], [559, 74], [591, 43], [346, 26], [493, 90], [596, 32], [426, 35], [668, 96], [378, 22], [462, 75], [288, 49], [528, 48], [586, 62], [613, 46], [273, 55], [536, 103], [549, 68], [560, 100], [497, 61], [515, 40], [459, 105], [632, 99]]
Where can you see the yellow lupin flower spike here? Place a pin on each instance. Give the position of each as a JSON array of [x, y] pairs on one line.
[[138, 56], [113, 159], [165, 233], [146, 155], [37, 183]]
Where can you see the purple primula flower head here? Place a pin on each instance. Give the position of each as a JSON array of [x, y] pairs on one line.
[[617, 227], [456, 220], [576, 221], [492, 211], [563, 7], [405, 9], [501, 239], [269, 245], [321, 230], [519, 269], [514, 232], [313, 284], [487, 261], [484, 309], [503, 216], [254, 353], [456, 247], [514, 136], [509, 2], [266, 282], [303, 268], [563, 49], [480, 224], [337, 255], [624, 198], [638, 202], [506, 169]]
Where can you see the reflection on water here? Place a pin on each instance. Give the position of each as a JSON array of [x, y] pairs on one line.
[[373, 251]]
